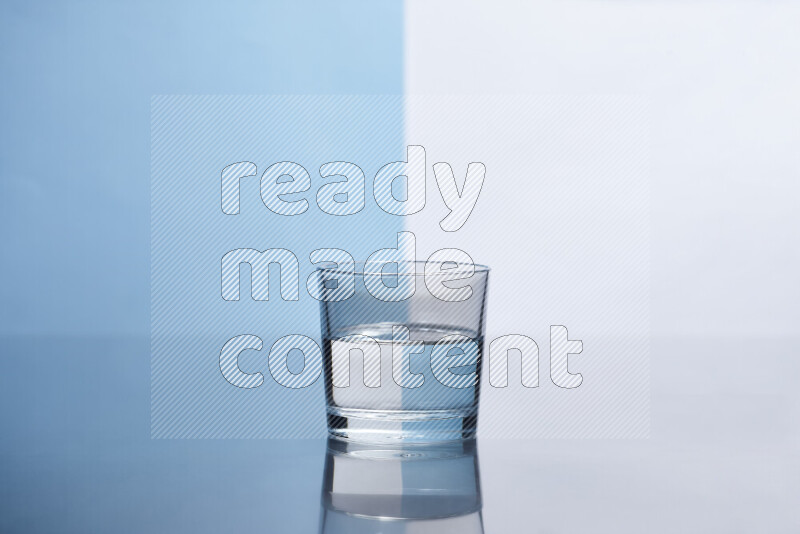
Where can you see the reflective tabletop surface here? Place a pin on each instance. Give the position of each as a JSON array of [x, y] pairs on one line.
[[76, 456]]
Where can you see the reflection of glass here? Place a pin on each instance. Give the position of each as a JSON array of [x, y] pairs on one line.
[[403, 349], [407, 489]]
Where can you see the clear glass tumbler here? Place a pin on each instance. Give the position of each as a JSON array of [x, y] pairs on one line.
[[402, 349]]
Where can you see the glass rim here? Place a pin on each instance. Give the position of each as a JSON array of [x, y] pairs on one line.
[[359, 268]]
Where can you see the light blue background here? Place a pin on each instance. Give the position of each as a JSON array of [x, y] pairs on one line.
[[74, 152], [77, 79], [193, 139]]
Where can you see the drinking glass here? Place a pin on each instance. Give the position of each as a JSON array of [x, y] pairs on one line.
[[402, 349]]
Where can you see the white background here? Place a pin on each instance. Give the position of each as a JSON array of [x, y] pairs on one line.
[[723, 83], [723, 80]]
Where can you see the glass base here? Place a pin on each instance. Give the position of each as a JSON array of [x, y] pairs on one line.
[[402, 426]]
